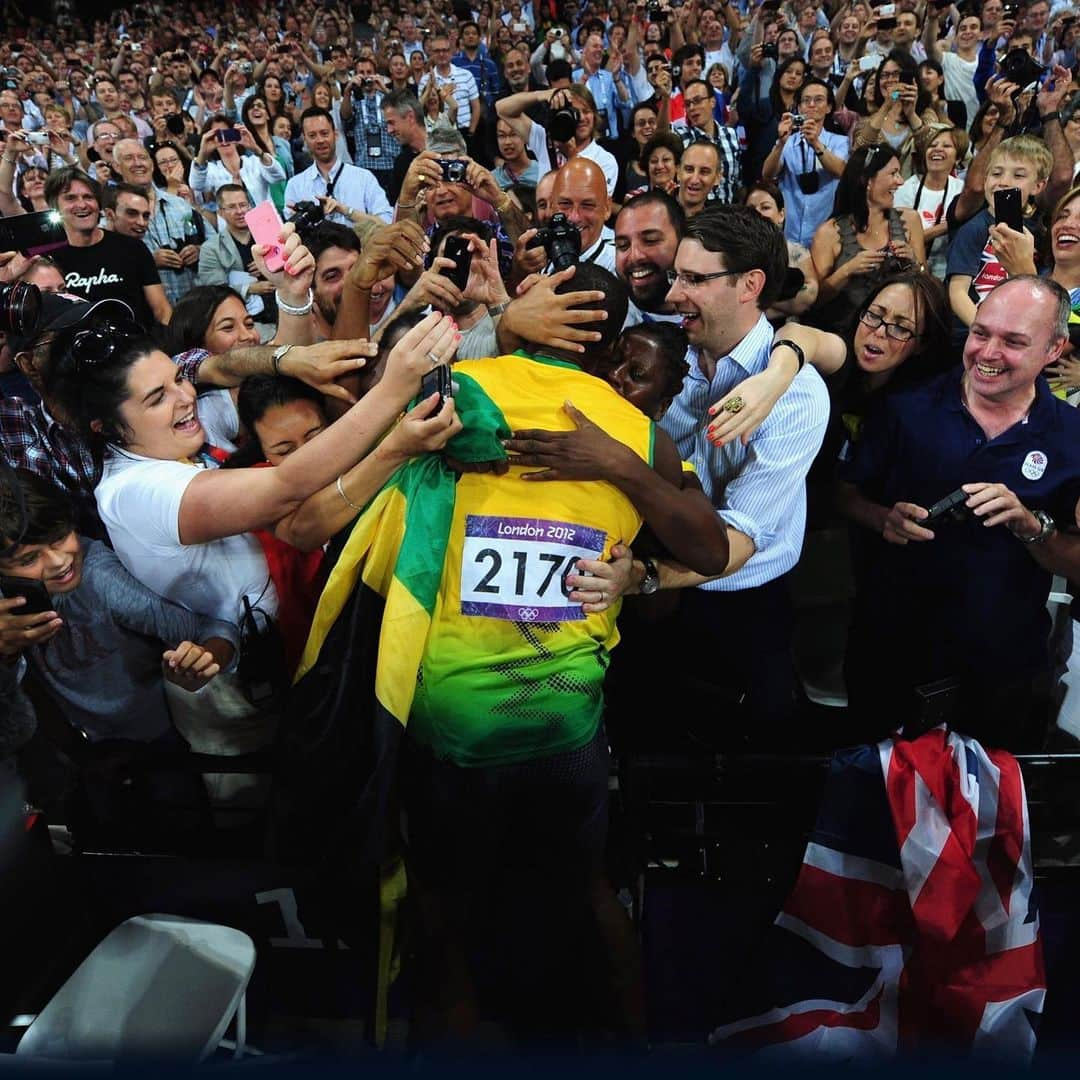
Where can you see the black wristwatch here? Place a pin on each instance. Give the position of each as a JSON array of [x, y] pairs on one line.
[[651, 581]]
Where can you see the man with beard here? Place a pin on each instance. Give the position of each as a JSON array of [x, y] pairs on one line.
[[647, 234], [336, 249]]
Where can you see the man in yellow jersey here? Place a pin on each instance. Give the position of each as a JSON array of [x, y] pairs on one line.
[[500, 678]]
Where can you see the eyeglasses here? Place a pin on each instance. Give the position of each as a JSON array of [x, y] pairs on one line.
[[95, 345], [695, 101], [888, 76], [871, 320], [689, 280]]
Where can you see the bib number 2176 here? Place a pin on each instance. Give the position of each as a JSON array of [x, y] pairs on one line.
[[516, 568]]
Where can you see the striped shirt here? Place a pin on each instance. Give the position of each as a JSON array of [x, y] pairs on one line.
[[464, 90], [758, 489]]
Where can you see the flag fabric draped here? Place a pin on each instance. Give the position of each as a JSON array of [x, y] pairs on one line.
[[912, 923]]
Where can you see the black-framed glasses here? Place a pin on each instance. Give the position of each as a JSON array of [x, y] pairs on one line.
[[872, 321], [97, 343], [689, 280]]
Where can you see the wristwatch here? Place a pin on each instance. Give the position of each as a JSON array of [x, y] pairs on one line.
[[1047, 527], [495, 310], [279, 355], [651, 581]]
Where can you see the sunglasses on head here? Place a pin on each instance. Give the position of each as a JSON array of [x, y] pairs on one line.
[[96, 344]]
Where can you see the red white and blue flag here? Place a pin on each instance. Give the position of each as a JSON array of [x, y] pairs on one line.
[[912, 923]]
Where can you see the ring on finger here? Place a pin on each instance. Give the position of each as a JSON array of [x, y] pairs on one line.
[[734, 405], [435, 359]]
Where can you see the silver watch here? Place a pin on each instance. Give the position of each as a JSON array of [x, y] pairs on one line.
[[1047, 527], [651, 581]]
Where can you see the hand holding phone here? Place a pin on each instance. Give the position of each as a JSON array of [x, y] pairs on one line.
[[266, 225], [31, 590], [1009, 208], [457, 250]]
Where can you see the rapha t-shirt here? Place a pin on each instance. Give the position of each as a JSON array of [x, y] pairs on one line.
[[117, 268]]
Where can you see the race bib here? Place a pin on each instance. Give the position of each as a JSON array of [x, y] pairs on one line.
[[515, 568]]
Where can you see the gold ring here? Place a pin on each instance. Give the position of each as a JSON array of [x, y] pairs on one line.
[[734, 405]]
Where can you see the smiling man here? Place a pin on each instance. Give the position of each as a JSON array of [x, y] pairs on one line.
[[647, 234], [965, 599], [99, 265], [728, 269]]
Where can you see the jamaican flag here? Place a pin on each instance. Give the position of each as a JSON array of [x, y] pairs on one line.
[[350, 701]]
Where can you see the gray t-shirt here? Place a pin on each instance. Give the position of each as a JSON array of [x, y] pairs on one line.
[[103, 668]]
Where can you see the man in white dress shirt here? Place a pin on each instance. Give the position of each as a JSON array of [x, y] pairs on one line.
[[327, 178]]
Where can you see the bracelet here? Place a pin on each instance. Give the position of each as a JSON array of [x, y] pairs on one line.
[[345, 498], [406, 206], [1051, 116], [288, 309], [495, 310], [796, 349]]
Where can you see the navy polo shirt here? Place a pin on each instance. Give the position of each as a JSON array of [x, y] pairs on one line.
[[972, 601]]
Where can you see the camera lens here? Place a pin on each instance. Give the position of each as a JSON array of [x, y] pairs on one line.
[[20, 306]]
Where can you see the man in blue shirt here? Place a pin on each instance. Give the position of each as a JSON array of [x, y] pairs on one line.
[[965, 599], [735, 630], [473, 57], [610, 96]]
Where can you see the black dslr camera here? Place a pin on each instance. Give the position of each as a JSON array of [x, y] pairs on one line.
[[769, 51], [561, 240], [306, 216], [20, 306], [562, 126], [1018, 67]]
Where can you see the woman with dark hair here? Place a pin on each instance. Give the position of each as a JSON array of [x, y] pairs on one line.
[[865, 239], [761, 116], [897, 335], [983, 125], [642, 129], [257, 119], [272, 91], [768, 200], [30, 189], [904, 108], [659, 162], [400, 78], [211, 317], [178, 524]]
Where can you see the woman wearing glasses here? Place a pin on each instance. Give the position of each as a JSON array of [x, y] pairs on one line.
[[899, 334]]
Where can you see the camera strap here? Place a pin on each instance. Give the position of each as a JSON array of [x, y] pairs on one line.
[[596, 254], [333, 180]]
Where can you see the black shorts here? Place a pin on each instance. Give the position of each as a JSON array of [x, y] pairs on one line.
[[547, 815]]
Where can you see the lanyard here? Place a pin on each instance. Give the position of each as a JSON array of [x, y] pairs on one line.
[[333, 180]]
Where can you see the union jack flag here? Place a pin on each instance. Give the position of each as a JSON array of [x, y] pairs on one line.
[[912, 922]]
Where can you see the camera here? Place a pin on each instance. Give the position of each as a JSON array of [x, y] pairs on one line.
[[952, 508], [560, 240], [893, 264], [1010, 11], [797, 121], [37, 138], [20, 305], [245, 67], [307, 215], [453, 171], [557, 32], [769, 51], [562, 126], [174, 124], [653, 10], [1018, 67]]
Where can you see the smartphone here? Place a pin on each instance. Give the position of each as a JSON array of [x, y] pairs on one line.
[[437, 379], [457, 248], [871, 62], [227, 135], [31, 590], [174, 124], [265, 225], [1009, 208], [33, 234]]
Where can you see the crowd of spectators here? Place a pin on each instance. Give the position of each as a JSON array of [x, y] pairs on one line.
[[801, 267]]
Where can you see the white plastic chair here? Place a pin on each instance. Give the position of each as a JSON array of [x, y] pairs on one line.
[[159, 986]]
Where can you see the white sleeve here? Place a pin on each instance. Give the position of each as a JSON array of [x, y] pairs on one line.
[[471, 92], [145, 499], [375, 200], [219, 418], [537, 143]]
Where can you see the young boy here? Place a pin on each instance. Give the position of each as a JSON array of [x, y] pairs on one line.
[[105, 649], [985, 252]]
